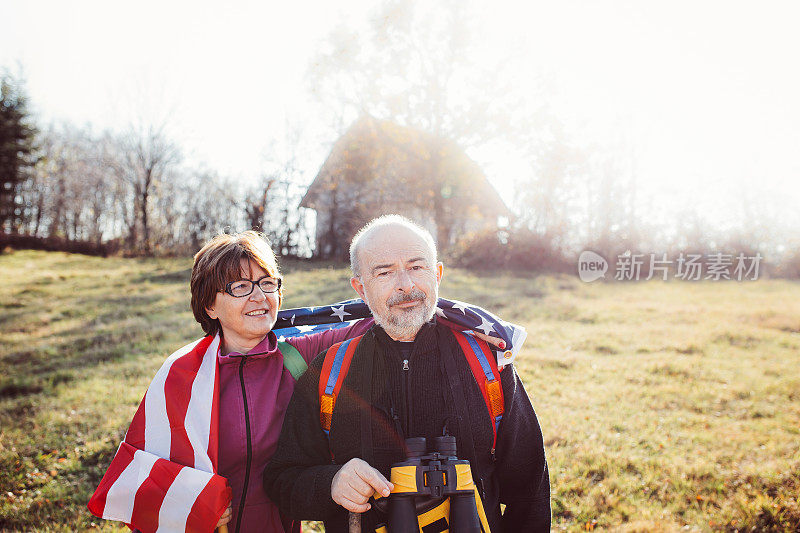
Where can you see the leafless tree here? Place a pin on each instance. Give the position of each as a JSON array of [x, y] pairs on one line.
[[143, 158], [272, 205], [414, 65], [209, 204]]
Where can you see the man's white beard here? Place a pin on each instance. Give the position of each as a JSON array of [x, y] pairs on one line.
[[405, 324]]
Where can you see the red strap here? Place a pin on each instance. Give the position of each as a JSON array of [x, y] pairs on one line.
[[334, 371], [494, 398]]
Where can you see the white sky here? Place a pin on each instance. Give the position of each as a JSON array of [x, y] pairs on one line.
[[705, 93]]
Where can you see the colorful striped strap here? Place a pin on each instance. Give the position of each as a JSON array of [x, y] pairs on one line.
[[334, 369], [487, 376]]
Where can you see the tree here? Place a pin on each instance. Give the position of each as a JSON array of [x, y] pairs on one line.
[[209, 204], [271, 206], [16, 149], [144, 157], [69, 193], [413, 66]]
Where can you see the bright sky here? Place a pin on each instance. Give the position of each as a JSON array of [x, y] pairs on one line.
[[703, 94]]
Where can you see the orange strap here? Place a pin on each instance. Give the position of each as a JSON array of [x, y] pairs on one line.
[[487, 376], [334, 369]]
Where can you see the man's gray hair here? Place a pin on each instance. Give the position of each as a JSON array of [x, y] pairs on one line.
[[382, 222]]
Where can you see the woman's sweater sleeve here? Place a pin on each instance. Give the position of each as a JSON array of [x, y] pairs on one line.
[[310, 345]]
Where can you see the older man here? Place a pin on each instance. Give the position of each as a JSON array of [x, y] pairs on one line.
[[400, 384]]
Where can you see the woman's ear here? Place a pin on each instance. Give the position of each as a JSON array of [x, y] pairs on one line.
[[210, 312]]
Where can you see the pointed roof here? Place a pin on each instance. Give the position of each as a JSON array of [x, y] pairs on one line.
[[383, 153]]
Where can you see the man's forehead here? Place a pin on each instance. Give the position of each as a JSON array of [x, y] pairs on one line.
[[394, 245]]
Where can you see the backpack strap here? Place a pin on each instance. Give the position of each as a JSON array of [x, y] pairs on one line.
[[478, 355], [334, 369], [487, 376], [292, 360]]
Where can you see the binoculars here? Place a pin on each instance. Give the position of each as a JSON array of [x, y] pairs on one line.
[[433, 490]]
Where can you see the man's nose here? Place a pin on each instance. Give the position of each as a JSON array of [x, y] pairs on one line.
[[404, 282]]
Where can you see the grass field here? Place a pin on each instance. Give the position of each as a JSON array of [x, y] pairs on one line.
[[665, 405]]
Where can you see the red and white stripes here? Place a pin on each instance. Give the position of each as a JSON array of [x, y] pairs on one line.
[[163, 477]]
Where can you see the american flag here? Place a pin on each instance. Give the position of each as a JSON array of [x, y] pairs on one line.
[[302, 321], [164, 477]]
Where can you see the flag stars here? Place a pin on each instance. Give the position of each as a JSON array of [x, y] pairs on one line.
[[485, 326], [461, 307], [339, 312]]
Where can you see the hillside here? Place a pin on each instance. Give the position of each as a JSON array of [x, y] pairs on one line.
[[663, 404]]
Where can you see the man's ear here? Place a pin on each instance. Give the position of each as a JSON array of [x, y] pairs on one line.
[[439, 272], [358, 287]]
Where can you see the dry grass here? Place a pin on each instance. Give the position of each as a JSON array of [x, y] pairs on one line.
[[665, 406]]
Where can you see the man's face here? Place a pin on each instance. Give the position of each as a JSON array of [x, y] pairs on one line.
[[399, 280]]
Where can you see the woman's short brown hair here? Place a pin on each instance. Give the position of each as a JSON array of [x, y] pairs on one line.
[[219, 262]]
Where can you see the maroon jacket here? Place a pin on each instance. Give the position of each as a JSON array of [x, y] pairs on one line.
[[263, 382]]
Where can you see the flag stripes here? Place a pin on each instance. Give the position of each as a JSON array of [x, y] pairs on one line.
[[163, 477]]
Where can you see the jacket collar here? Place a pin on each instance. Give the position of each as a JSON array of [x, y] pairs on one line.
[[264, 349], [425, 341]]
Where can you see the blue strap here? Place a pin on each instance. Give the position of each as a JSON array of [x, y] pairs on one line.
[[481, 357], [487, 370], [337, 366]]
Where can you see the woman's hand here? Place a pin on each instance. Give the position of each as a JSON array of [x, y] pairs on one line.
[[225, 518], [497, 342]]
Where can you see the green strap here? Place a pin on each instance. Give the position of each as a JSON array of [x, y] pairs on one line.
[[292, 360]]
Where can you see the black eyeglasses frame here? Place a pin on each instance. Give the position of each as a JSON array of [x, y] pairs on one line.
[[253, 283]]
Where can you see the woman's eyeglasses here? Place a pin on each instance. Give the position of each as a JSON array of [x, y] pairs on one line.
[[244, 287]]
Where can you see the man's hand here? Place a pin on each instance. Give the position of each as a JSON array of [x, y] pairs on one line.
[[355, 482], [225, 518]]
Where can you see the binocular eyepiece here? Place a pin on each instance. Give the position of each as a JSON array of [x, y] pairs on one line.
[[432, 488], [444, 446]]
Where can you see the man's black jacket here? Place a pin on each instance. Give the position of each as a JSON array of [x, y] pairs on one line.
[[394, 404]]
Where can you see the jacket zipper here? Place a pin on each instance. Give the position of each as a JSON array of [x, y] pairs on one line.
[[405, 395], [249, 447]]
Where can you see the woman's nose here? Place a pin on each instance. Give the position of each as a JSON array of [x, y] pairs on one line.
[[258, 294]]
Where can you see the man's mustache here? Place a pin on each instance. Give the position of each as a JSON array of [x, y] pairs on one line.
[[412, 296]]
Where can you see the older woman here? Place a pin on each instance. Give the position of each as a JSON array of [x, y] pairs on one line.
[[193, 455], [236, 289], [236, 293]]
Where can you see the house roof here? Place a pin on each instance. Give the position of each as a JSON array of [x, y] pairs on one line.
[[384, 153]]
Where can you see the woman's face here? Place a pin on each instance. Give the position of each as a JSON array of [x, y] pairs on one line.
[[246, 320]]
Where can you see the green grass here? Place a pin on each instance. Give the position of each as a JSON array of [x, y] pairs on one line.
[[664, 405]]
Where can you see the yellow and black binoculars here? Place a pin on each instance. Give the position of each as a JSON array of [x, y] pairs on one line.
[[433, 492]]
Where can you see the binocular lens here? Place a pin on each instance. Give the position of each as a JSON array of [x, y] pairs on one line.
[[416, 447], [446, 446]]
